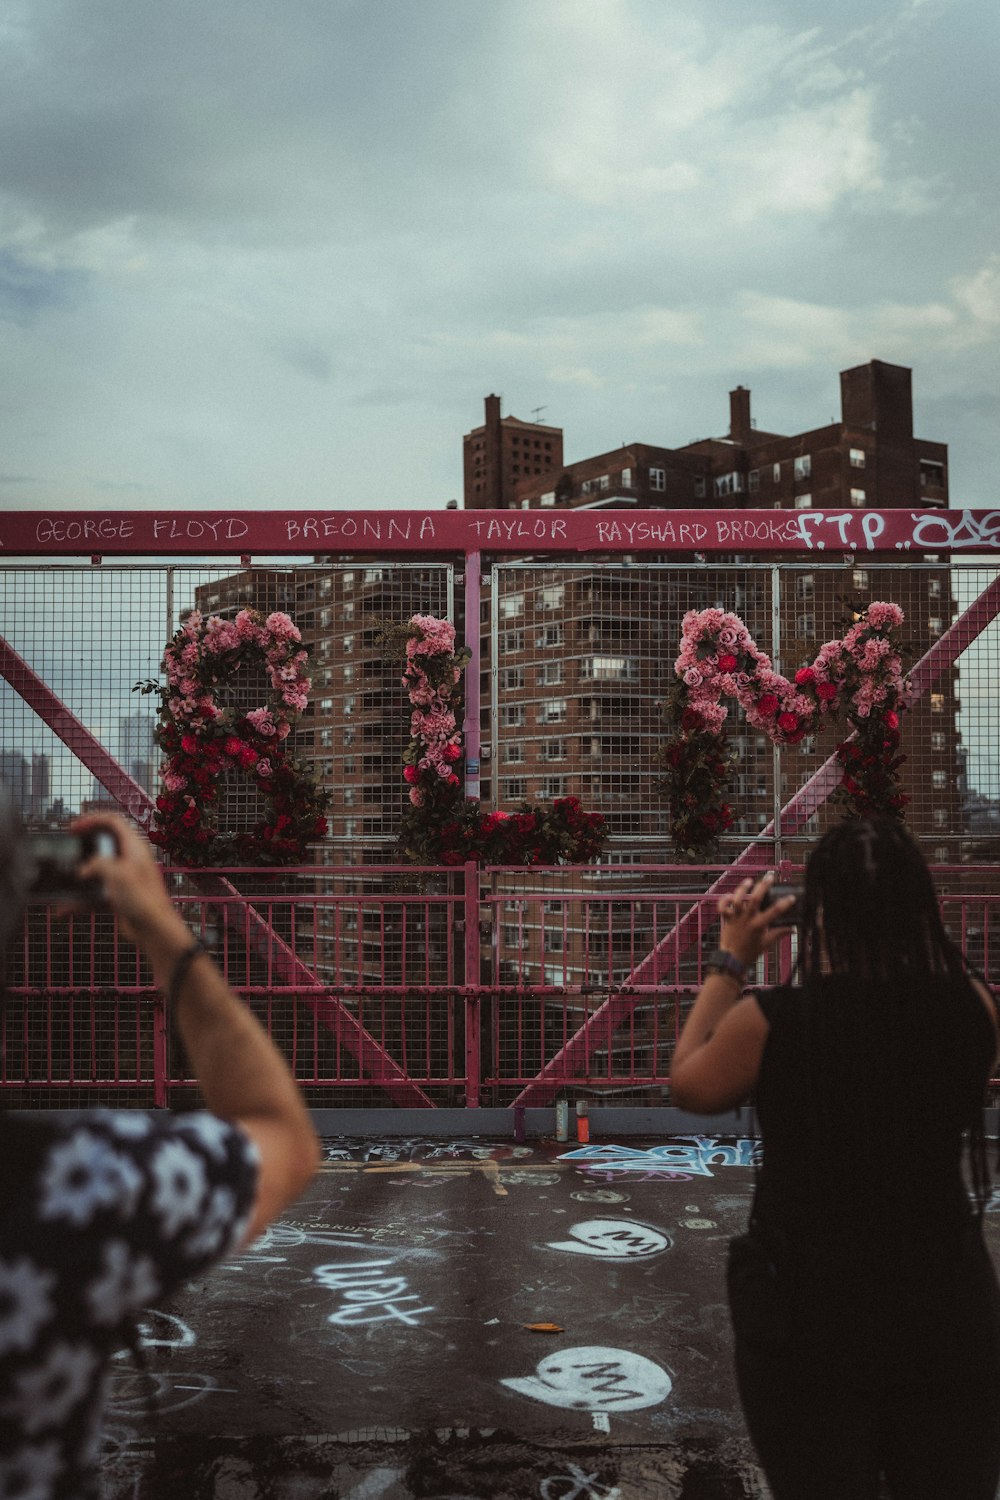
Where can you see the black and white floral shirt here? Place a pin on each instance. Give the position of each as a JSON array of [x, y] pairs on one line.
[[101, 1216]]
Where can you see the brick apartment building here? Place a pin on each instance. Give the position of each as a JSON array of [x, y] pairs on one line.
[[869, 458]]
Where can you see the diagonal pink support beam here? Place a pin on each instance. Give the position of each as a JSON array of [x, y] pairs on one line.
[[571, 1060], [134, 800], [130, 796]]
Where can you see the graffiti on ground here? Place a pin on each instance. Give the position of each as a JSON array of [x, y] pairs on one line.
[[595, 1379], [613, 1239]]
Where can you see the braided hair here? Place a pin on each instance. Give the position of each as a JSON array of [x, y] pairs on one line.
[[872, 919]]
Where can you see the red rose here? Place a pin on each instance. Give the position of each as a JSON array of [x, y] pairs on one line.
[[248, 757], [804, 676], [892, 719], [189, 744], [191, 817], [452, 752], [827, 691], [691, 719], [320, 826], [410, 774], [728, 662], [788, 722], [768, 703], [232, 746]]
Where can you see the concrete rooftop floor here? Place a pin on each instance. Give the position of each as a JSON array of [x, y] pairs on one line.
[[377, 1343]]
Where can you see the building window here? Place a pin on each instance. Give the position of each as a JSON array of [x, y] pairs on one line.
[[555, 786], [940, 817], [609, 669], [939, 778], [754, 481], [937, 740], [348, 705], [549, 498], [349, 672], [805, 586], [512, 715], [513, 753], [934, 625], [511, 605], [513, 678], [803, 466], [857, 457], [776, 473], [350, 735], [514, 788], [325, 705], [553, 942], [550, 673], [941, 854], [860, 578], [803, 502], [512, 640], [857, 498], [931, 474], [626, 479], [554, 750], [552, 635], [934, 588], [552, 711], [805, 625], [347, 644], [553, 596], [937, 703], [700, 487], [657, 479], [728, 484]]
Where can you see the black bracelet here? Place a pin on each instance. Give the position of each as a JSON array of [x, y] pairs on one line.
[[727, 963], [180, 973]]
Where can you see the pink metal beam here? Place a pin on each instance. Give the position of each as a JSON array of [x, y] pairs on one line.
[[130, 796], [134, 800], [570, 1060]]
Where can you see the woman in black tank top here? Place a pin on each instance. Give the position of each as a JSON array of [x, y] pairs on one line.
[[865, 1308]]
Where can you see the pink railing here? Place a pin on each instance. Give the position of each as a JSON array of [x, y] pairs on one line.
[[482, 985]]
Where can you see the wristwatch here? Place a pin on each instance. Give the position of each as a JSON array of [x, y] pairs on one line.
[[723, 962]]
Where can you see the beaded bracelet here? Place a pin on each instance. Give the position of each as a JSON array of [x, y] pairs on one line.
[[180, 973], [723, 962]]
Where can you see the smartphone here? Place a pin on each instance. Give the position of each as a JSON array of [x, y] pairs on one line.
[[793, 916], [54, 861]]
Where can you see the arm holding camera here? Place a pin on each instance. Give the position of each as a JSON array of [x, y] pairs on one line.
[[243, 1077], [718, 1054]]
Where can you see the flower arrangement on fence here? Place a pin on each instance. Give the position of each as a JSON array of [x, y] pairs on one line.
[[202, 740], [439, 825], [859, 676]]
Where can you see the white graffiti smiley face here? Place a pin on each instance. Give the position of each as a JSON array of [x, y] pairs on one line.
[[613, 1239], [595, 1379]]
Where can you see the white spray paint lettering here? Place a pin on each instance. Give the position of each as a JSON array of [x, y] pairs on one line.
[[369, 1295]]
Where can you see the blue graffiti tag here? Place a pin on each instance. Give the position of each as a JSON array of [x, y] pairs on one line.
[[696, 1159]]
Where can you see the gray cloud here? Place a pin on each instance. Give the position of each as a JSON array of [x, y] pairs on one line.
[[231, 233]]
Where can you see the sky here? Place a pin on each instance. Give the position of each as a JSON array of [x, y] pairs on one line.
[[258, 255]]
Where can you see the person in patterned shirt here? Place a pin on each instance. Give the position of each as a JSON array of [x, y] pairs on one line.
[[109, 1212]]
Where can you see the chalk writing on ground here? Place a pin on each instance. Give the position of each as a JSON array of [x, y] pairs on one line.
[[576, 1485]]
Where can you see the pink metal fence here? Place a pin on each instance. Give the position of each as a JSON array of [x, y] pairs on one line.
[[419, 983], [386, 982]]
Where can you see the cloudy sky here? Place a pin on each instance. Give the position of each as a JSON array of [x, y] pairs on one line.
[[275, 255]]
